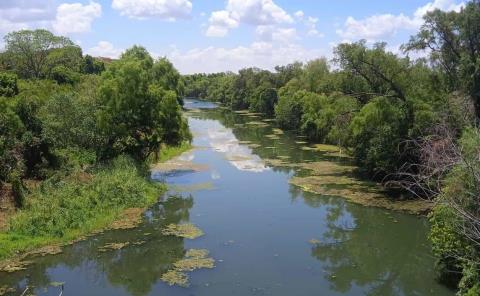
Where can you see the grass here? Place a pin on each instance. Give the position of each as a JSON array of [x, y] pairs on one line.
[[62, 210], [169, 152]]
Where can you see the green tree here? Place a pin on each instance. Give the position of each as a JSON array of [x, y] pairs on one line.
[[29, 51], [137, 115], [454, 41]]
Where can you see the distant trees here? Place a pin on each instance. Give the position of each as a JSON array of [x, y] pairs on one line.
[[34, 54]]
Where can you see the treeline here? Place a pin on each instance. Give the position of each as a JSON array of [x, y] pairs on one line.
[[76, 133], [408, 122]]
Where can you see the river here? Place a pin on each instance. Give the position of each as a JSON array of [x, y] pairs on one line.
[[267, 237]]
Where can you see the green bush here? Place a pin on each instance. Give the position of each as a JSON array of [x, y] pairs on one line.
[[8, 85], [377, 132], [60, 206]]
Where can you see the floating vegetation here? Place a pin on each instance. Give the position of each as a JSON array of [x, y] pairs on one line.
[[338, 154], [268, 119], [242, 111], [270, 147], [44, 251], [130, 218], [277, 131], [57, 284], [307, 148], [192, 187], [273, 137], [257, 123], [14, 265], [197, 253], [239, 125], [314, 241], [187, 230], [113, 246], [283, 156], [326, 148], [325, 168], [254, 145], [194, 259], [281, 163], [5, 289], [244, 142], [174, 277], [358, 192]]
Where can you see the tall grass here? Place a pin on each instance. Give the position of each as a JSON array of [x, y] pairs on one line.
[[63, 209]]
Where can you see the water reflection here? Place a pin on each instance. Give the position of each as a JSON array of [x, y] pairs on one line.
[[135, 268], [259, 233], [210, 133]]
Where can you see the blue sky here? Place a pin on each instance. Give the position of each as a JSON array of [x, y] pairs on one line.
[[211, 36]]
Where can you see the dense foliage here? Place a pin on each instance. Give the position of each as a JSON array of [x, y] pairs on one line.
[[408, 122], [75, 133]]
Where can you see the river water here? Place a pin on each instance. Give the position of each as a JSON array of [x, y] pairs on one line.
[[267, 237]]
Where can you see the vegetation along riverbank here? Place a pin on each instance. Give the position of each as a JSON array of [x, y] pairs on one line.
[[409, 123], [78, 133], [77, 138]]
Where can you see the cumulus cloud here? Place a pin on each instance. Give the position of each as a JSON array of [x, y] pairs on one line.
[[17, 15], [387, 25], [75, 17], [252, 12], [162, 9], [259, 54], [275, 34], [220, 23], [105, 49]]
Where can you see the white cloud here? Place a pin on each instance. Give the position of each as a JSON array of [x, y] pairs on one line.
[[75, 17], [445, 5], [259, 54], [311, 23], [252, 12], [25, 14], [299, 14], [220, 23], [375, 27], [162, 9], [384, 26], [273, 33], [105, 49]]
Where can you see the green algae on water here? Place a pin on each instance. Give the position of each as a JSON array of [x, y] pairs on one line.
[[277, 131], [175, 277], [194, 259], [186, 230], [113, 246]]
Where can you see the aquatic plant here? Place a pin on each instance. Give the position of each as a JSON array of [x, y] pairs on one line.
[[186, 230], [193, 259]]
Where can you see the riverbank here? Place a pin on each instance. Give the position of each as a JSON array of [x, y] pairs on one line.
[[61, 211]]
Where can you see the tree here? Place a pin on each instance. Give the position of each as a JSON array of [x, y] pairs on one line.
[[377, 132], [137, 114], [29, 51], [92, 65], [454, 41], [385, 73]]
